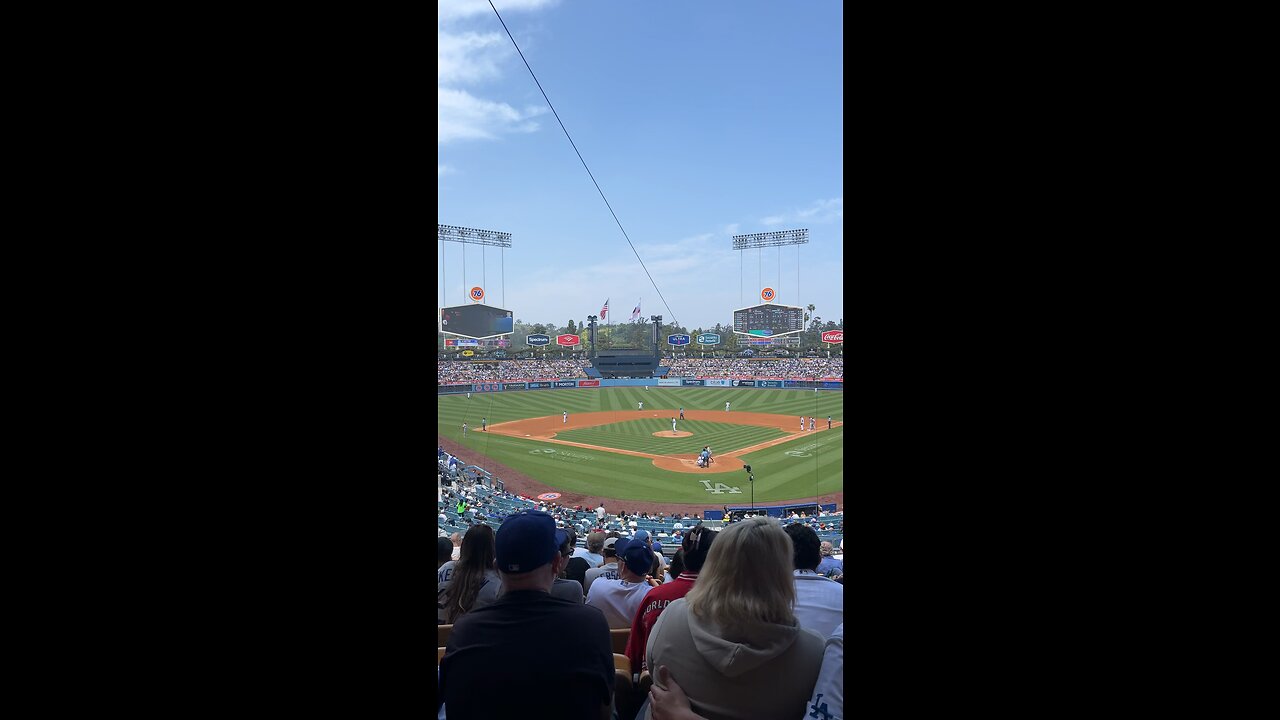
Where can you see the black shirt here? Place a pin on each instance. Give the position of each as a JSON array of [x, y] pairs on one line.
[[528, 655]]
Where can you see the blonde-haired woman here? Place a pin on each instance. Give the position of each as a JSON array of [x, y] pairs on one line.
[[732, 643]]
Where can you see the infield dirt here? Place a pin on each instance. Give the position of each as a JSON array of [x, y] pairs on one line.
[[545, 429]]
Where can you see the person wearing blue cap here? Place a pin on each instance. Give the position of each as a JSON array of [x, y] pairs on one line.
[[619, 599], [501, 659]]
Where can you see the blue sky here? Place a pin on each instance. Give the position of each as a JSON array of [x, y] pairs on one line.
[[700, 120]]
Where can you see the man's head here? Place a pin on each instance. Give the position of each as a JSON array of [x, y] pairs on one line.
[[636, 559], [827, 549], [528, 549], [804, 542], [444, 551], [610, 552], [595, 542]]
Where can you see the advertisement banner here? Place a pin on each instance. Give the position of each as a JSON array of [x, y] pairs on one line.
[[536, 340], [512, 386], [565, 383], [668, 382], [538, 385], [708, 339], [833, 385], [461, 342], [789, 383], [487, 387], [690, 382], [769, 383], [744, 383], [568, 340], [718, 382], [588, 383], [678, 339], [833, 336]]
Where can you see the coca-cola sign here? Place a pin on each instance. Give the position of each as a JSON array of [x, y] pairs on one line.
[[833, 336]]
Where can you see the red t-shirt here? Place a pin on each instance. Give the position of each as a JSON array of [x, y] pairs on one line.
[[655, 601]]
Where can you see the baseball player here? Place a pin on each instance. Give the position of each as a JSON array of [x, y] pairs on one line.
[[673, 425], [681, 413], [828, 422], [484, 424], [468, 396], [641, 405], [811, 423], [801, 422], [464, 430], [726, 406], [566, 417]]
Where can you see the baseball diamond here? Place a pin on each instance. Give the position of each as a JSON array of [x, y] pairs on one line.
[[610, 451]]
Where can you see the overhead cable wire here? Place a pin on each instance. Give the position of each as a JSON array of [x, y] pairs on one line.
[[584, 165]]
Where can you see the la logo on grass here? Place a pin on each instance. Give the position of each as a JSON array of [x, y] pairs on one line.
[[721, 488]]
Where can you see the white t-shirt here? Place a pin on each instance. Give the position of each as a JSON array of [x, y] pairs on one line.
[[595, 560], [819, 602], [618, 600], [828, 695], [609, 571], [600, 513]]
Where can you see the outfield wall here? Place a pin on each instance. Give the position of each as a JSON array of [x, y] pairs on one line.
[[783, 383]]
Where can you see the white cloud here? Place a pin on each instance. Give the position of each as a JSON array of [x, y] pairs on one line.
[[454, 9], [819, 212], [463, 116], [475, 49], [442, 169], [470, 57]]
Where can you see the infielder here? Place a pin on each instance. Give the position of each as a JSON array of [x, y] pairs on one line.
[[641, 404], [566, 417], [673, 425], [464, 430], [726, 406], [484, 424]]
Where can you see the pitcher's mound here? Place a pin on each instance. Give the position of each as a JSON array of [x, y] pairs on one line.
[[668, 433]]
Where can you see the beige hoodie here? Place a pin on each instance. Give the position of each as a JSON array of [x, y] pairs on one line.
[[757, 672]]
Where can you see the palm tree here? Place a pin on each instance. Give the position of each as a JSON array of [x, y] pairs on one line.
[[811, 307]]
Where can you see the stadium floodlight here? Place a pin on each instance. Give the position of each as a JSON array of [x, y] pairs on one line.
[[771, 239], [474, 236]]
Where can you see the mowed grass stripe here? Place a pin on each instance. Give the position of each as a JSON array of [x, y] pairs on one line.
[[637, 435], [598, 472]]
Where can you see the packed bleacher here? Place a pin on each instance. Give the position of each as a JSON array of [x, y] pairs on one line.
[[533, 595], [791, 368], [455, 372]]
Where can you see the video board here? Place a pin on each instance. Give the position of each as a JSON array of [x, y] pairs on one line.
[[476, 321], [763, 321]]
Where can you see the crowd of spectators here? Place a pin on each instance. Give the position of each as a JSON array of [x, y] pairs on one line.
[[807, 368], [748, 626], [459, 372], [694, 630], [456, 372]]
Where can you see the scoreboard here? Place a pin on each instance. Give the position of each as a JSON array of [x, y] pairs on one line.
[[765, 321], [476, 321]]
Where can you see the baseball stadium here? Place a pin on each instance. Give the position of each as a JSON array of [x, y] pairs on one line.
[[640, 515]]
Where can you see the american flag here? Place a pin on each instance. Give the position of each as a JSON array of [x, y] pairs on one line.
[[604, 311], [635, 314]]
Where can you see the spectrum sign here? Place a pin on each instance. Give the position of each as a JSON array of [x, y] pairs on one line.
[[535, 340]]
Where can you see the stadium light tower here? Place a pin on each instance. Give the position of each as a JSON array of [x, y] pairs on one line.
[[756, 241], [591, 320], [471, 236]]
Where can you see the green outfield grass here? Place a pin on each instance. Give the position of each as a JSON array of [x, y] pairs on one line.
[[800, 468]]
